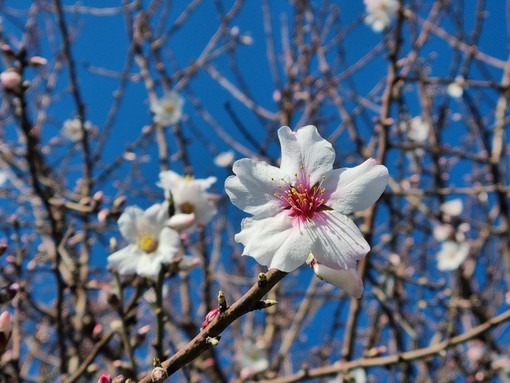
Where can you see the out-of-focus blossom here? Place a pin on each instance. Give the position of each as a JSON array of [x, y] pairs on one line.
[[443, 232], [347, 280], [105, 378], [151, 242], [451, 255], [181, 222], [418, 130], [189, 196], [252, 358], [11, 80], [501, 363], [380, 13], [37, 61], [3, 178], [452, 208], [188, 262], [72, 129], [244, 38], [5, 330], [168, 109], [357, 375], [455, 89], [224, 159], [301, 207]]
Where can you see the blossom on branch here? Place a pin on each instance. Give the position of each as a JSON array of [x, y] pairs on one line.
[[193, 204], [302, 207], [380, 13], [73, 131], [252, 358], [168, 109], [151, 242]]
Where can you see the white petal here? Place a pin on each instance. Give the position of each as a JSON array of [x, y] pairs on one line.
[[347, 280], [168, 179], [252, 189], [169, 243], [276, 242], [305, 151], [204, 210], [149, 266], [125, 260], [128, 223], [154, 219], [355, 188], [337, 241], [181, 222]]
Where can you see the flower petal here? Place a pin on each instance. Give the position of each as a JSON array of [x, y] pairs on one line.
[[337, 241], [128, 223], [252, 189], [305, 150], [347, 280], [276, 242], [149, 266], [355, 188], [125, 260]]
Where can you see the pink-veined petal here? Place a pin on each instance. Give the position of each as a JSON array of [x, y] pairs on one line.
[[347, 280], [337, 241], [252, 189], [277, 242], [308, 149], [355, 188]]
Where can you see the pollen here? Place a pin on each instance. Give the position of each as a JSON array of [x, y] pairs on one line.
[[148, 243], [169, 107]]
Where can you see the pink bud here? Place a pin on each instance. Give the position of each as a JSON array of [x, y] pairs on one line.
[[98, 196], [37, 61], [97, 331], [5, 330], [181, 222], [105, 378], [11, 80], [209, 318], [103, 215]]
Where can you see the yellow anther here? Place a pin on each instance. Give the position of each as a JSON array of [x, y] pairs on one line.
[[147, 243]]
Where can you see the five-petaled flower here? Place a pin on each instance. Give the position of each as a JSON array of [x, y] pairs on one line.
[[168, 109], [151, 242], [193, 204], [380, 13], [302, 207]]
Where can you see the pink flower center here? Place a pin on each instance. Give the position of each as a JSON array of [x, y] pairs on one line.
[[302, 200]]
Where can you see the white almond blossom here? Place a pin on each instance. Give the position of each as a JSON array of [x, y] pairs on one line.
[[252, 358], [456, 89], [302, 207], [151, 242], [452, 208], [418, 130], [168, 109], [380, 13], [190, 198], [72, 129], [451, 255]]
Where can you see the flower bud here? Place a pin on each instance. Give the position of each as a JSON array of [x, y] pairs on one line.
[[348, 280], [181, 222], [105, 378], [37, 61], [158, 374], [11, 80], [209, 318], [5, 330]]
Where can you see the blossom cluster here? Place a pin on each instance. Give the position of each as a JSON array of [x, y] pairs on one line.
[[154, 234]]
